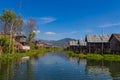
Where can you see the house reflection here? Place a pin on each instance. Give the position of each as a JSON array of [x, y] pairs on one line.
[[103, 69], [98, 72], [79, 61]]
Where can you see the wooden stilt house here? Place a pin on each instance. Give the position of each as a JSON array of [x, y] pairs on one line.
[[97, 43], [73, 45], [82, 45], [115, 43]]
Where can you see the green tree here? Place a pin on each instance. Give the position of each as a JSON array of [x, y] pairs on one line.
[[8, 17], [11, 22]]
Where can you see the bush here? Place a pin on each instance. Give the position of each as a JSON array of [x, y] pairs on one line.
[[5, 44], [94, 56]]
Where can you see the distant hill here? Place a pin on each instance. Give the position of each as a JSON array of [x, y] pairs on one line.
[[59, 43]]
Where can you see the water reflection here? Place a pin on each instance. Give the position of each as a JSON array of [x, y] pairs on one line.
[[23, 70], [78, 60], [105, 67], [94, 70], [58, 66]]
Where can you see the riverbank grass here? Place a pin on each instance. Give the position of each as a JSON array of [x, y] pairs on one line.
[[71, 53], [108, 57], [94, 56], [23, 54], [111, 57]]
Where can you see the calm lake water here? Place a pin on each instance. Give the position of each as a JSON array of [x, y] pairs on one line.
[[58, 66]]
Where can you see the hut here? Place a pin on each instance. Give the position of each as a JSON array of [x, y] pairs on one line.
[[97, 43], [39, 44], [21, 38], [115, 43], [18, 46], [73, 45], [82, 45], [48, 45]]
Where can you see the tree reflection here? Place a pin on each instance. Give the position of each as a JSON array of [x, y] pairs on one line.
[[16, 70], [6, 70]]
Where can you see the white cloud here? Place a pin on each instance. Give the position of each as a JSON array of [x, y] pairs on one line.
[[50, 33], [46, 20], [109, 25]]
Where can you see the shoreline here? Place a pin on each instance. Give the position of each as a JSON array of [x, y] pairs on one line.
[[108, 57], [23, 54]]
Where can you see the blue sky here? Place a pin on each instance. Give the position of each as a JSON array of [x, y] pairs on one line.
[[57, 19]]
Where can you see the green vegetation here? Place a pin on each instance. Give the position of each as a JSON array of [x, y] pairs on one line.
[[108, 57], [111, 57], [5, 44], [71, 53], [11, 24], [94, 56], [30, 53]]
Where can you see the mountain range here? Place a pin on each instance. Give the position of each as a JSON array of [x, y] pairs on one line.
[[60, 43]]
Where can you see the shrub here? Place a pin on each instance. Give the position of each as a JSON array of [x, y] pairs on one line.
[[5, 44]]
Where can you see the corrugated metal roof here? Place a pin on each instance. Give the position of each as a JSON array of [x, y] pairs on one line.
[[117, 36], [82, 43], [98, 38], [73, 43]]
